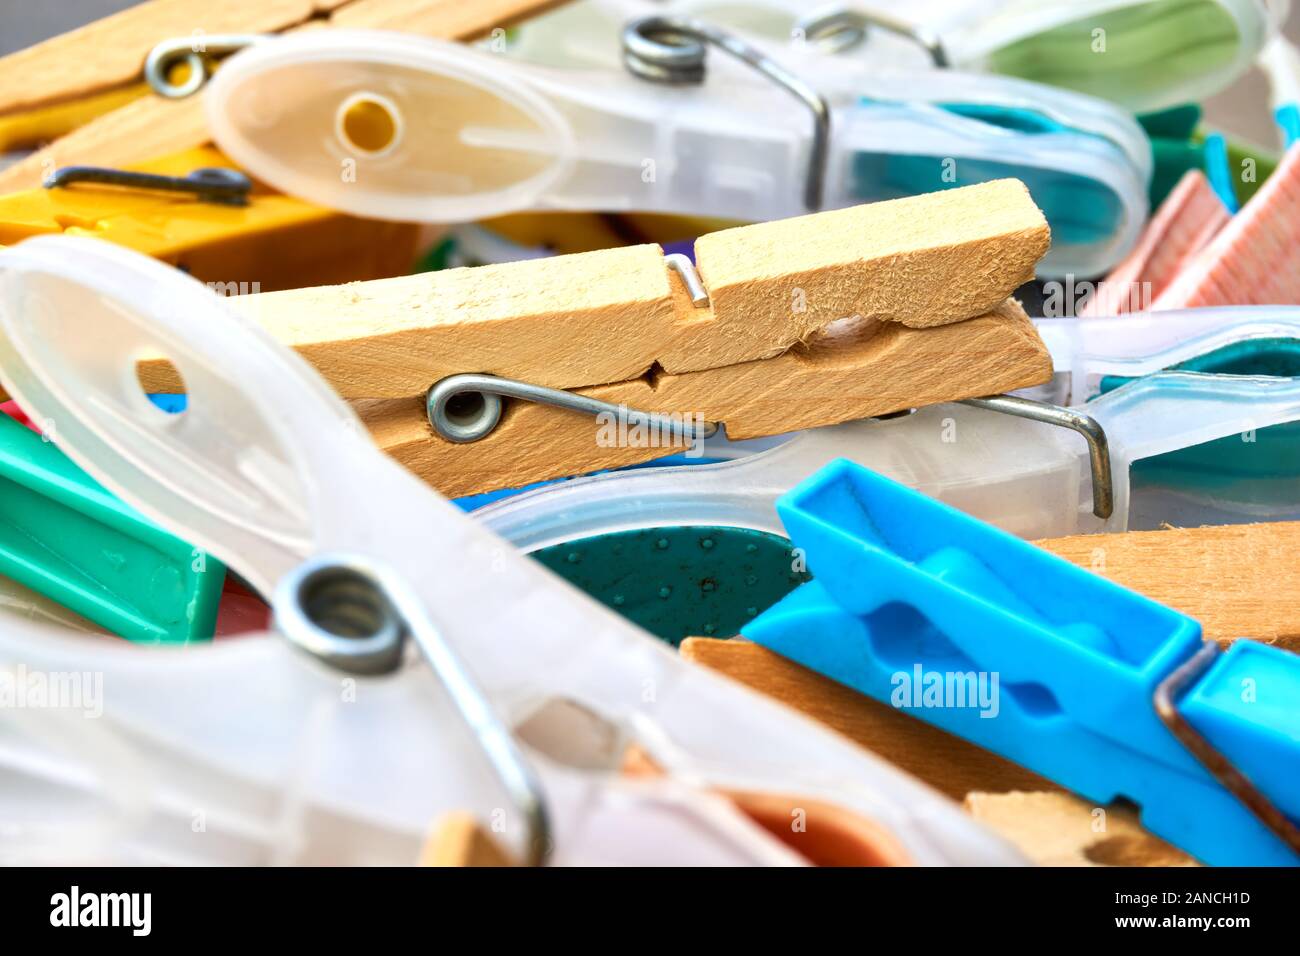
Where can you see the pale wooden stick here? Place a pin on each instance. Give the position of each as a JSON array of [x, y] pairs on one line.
[[459, 840], [594, 318], [1057, 829], [111, 51]]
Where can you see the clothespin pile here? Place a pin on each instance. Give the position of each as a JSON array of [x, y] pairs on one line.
[[726, 387]]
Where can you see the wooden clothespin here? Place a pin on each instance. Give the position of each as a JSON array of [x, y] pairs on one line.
[[786, 325], [458, 839], [1057, 829], [99, 66], [266, 242], [1240, 580], [1051, 827]]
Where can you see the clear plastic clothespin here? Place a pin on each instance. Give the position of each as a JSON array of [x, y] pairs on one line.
[[391, 126], [1143, 55], [337, 744], [1162, 435]]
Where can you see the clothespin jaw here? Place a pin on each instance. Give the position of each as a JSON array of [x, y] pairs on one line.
[[912, 600], [271, 242]]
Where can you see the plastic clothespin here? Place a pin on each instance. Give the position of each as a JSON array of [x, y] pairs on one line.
[[528, 136], [1213, 445], [1139, 55], [1188, 218], [1092, 356], [268, 242], [527, 705], [619, 356], [1093, 686], [999, 126], [65, 537], [83, 86]]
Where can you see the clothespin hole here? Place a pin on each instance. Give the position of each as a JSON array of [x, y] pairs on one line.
[[369, 124], [156, 374]]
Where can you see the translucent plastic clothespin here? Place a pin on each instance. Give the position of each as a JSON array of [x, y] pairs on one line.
[[1148, 448], [336, 744], [1093, 356], [1144, 55], [399, 127]]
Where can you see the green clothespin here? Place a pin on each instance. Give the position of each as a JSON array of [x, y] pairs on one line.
[[64, 536]]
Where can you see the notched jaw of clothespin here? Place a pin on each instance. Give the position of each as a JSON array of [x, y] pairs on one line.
[[269, 470], [1093, 686]]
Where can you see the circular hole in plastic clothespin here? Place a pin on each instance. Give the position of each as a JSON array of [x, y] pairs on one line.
[[159, 376], [369, 124]]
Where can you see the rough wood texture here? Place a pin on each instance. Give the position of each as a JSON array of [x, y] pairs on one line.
[[948, 763], [609, 316], [869, 369], [458, 840], [1049, 826], [151, 127], [1237, 580], [1057, 829], [561, 322], [111, 52], [925, 260], [448, 19]]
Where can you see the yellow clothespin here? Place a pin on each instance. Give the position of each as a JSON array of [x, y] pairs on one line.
[[84, 88], [266, 243], [786, 325]]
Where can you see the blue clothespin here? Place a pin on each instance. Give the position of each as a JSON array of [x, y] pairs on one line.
[[1098, 688]]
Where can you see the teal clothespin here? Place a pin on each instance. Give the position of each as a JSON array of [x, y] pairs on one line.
[[66, 537], [1098, 688]]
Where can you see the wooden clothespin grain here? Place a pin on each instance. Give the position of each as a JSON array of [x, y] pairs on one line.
[[799, 332]]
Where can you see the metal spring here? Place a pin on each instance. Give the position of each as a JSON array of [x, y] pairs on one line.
[[215, 184], [1103, 487], [350, 615], [196, 52], [486, 391], [671, 50]]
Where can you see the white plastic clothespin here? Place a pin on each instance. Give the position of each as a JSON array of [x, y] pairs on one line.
[[336, 745], [1064, 471], [389, 126]]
